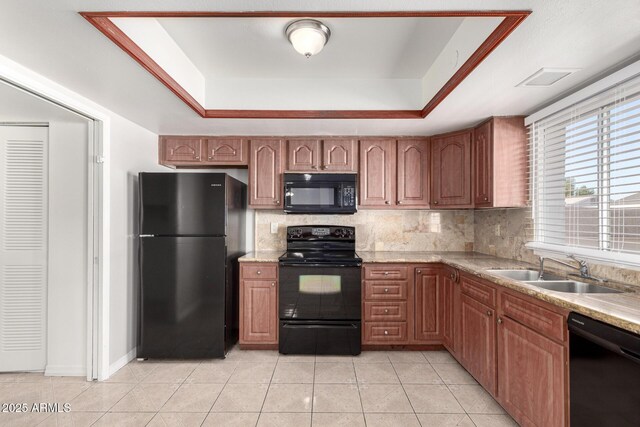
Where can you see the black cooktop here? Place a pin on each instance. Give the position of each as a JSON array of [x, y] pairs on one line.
[[320, 257], [321, 244]]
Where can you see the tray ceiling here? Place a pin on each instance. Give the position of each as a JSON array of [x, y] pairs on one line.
[[376, 65]]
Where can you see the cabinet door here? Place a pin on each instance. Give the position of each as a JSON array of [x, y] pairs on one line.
[[227, 151], [259, 311], [483, 165], [265, 173], [532, 375], [448, 284], [478, 341], [340, 154], [429, 302], [377, 172], [181, 150], [413, 173], [303, 154], [451, 171]]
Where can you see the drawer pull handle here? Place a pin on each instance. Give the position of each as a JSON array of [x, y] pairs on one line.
[[386, 332], [386, 290], [386, 311], [489, 313], [258, 272], [418, 271], [273, 284], [386, 273]]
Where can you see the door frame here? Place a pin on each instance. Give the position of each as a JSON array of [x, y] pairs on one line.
[[98, 223]]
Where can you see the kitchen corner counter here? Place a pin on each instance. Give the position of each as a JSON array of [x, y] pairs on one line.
[[261, 256], [621, 310]]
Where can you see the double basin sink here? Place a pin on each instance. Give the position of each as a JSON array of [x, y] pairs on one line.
[[553, 283]]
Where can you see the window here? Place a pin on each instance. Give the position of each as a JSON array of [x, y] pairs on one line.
[[585, 165]]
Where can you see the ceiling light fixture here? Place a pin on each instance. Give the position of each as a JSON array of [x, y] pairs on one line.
[[308, 36]]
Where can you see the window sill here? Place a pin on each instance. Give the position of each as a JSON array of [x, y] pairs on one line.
[[615, 259]]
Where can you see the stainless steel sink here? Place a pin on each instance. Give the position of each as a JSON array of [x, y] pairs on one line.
[[573, 287], [523, 275]]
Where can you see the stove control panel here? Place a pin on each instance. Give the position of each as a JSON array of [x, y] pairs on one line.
[[324, 232]]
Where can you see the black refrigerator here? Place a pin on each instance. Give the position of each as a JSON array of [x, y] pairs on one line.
[[192, 231]]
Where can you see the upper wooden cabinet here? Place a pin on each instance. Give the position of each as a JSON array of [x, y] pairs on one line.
[[304, 154], [177, 151], [413, 173], [340, 154], [226, 151], [265, 173], [451, 170], [378, 172], [394, 174], [333, 154], [190, 151], [500, 163]]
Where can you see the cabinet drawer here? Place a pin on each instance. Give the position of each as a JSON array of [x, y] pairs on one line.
[[479, 291], [535, 316], [385, 311], [385, 332], [380, 289], [385, 271], [261, 271]]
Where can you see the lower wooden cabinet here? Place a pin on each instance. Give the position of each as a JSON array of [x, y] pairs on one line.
[[451, 295], [478, 341], [531, 375], [258, 304], [429, 304]]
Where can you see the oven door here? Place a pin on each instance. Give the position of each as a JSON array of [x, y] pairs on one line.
[[319, 292]]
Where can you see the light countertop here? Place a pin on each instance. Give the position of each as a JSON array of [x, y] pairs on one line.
[[622, 309]]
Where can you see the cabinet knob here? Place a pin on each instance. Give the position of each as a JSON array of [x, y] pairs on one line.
[[489, 313], [499, 321], [276, 202], [258, 272], [386, 273], [386, 202], [386, 332], [486, 199], [435, 202], [453, 276], [386, 290], [324, 167], [210, 158], [418, 271], [314, 167], [386, 311], [399, 202], [197, 157], [273, 284]]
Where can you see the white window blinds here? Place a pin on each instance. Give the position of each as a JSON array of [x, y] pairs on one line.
[[585, 169]]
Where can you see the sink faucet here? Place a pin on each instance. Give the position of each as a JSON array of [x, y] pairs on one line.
[[582, 267]]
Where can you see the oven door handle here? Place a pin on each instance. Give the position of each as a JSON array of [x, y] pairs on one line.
[[320, 265], [318, 326]]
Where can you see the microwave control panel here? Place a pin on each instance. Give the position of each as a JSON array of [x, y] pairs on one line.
[[348, 196]]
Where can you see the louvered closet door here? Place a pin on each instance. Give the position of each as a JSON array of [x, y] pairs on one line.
[[23, 248]]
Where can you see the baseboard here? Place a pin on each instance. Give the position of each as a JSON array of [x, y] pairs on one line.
[[65, 371], [118, 364]]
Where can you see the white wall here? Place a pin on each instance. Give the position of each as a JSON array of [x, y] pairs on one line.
[[67, 281]]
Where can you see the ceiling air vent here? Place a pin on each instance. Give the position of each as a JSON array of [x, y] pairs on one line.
[[545, 77]]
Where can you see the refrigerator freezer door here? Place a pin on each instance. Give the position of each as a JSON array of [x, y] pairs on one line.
[[182, 204], [182, 310]]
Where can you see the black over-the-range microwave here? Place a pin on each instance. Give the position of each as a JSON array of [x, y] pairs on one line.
[[320, 193]]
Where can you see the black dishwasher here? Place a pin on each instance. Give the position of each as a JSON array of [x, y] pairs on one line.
[[604, 374]]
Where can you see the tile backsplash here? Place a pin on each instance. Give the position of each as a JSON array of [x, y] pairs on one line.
[[379, 230], [515, 227]]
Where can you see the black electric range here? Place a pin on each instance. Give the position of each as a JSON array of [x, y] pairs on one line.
[[320, 291]]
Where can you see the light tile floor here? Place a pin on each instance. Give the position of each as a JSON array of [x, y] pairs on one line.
[[263, 388]]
